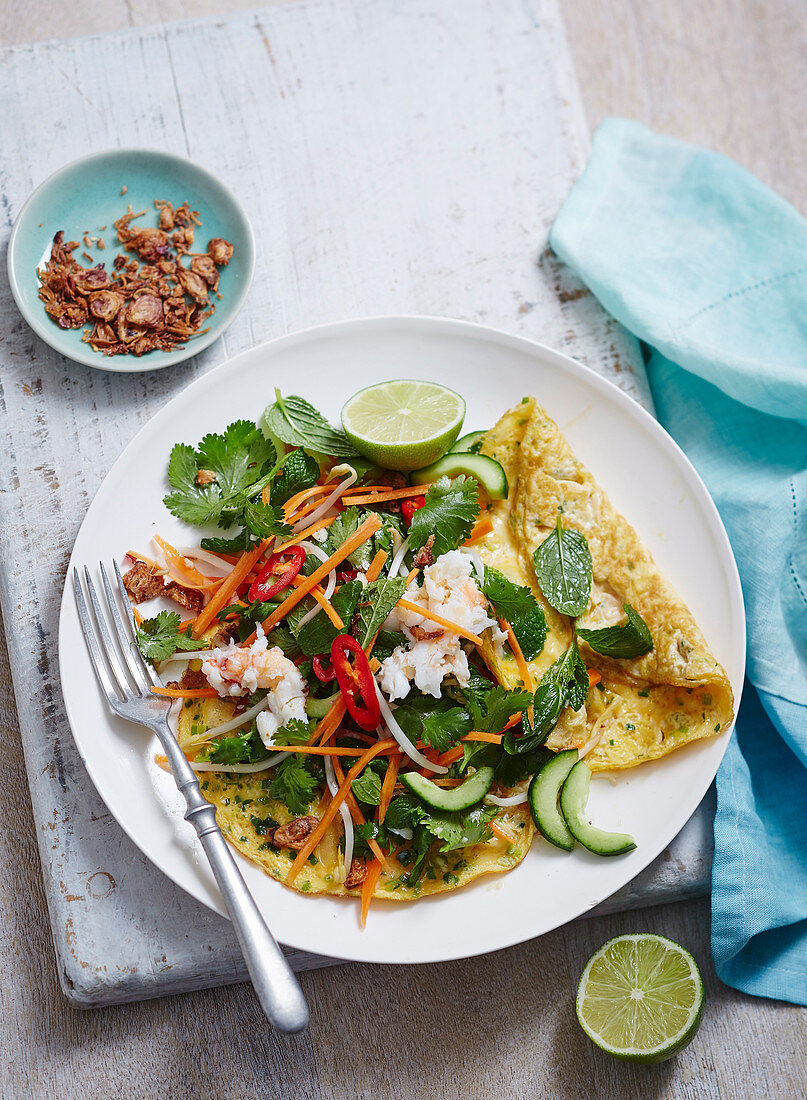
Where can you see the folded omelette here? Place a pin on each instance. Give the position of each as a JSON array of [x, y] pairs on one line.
[[642, 708]]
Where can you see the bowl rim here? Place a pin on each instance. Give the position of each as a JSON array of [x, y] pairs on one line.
[[42, 326]]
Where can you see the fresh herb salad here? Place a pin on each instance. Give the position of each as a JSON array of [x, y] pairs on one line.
[[379, 682]]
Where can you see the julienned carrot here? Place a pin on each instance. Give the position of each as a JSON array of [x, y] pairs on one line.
[[499, 832], [228, 587], [335, 803], [327, 725], [368, 888], [357, 539], [186, 693], [320, 750], [523, 667], [186, 575], [293, 503], [451, 755], [411, 575], [138, 618], [376, 565], [593, 677], [306, 533], [388, 494], [355, 812], [440, 621], [327, 607], [388, 786], [482, 527], [480, 735]]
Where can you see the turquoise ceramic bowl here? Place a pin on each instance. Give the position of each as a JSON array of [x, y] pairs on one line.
[[85, 195]]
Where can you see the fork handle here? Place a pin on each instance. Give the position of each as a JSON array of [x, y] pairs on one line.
[[275, 983]]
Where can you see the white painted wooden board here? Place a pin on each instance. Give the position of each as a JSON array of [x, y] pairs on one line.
[[394, 157]]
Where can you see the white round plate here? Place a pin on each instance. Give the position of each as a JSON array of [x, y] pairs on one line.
[[649, 480]]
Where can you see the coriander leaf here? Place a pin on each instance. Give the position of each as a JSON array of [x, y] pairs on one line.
[[300, 471], [371, 830], [318, 633], [442, 729], [234, 463], [243, 748], [564, 571], [159, 638], [298, 423], [345, 525], [295, 732], [449, 512], [492, 710], [376, 602], [367, 787], [629, 639], [520, 608], [293, 784], [234, 545], [478, 753], [262, 825], [264, 520], [458, 830]]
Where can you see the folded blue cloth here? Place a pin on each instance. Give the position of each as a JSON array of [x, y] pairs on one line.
[[708, 267]]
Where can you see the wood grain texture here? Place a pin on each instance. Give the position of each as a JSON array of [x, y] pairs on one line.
[[504, 1022]]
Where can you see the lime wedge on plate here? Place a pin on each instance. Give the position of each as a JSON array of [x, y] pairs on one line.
[[405, 424], [640, 998]]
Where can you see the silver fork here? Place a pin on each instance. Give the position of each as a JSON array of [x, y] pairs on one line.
[[126, 681]]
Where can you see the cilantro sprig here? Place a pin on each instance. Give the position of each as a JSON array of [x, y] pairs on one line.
[[449, 511], [159, 638], [221, 481]]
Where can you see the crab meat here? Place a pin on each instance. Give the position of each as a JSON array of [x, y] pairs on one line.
[[235, 671], [433, 652]]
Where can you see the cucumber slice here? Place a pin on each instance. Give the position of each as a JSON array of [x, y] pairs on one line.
[[542, 798], [470, 792], [469, 443], [573, 799], [318, 708], [487, 471]]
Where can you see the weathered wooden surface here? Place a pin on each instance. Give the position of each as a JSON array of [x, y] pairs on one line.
[[504, 1022]]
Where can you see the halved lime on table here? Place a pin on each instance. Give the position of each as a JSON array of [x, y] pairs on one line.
[[640, 997], [405, 424]]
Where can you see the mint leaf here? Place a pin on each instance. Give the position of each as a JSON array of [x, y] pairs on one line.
[[403, 812], [376, 602], [300, 471], [569, 671], [563, 567], [298, 423], [293, 784], [387, 642], [510, 770], [519, 607], [234, 462], [629, 639], [367, 787], [564, 684], [318, 633], [159, 638], [449, 513]]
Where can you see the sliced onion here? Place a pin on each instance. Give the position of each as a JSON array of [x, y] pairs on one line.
[[239, 720], [198, 554], [476, 561], [402, 739], [239, 769], [400, 554], [329, 501], [347, 820], [511, 800], [406, 833], [330, 587]]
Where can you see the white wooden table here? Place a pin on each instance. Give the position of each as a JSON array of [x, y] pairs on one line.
[[531, 1046]]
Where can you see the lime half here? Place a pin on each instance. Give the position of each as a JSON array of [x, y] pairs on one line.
[[640, 997], [405, 424]]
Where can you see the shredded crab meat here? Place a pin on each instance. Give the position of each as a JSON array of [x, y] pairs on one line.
[[433, 652], [234, 671]]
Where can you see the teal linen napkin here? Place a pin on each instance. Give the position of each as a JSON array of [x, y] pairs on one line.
[[708, 267]]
